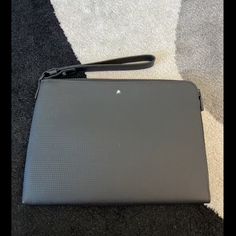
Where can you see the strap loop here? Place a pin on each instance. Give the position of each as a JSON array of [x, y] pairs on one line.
[[124, 63]]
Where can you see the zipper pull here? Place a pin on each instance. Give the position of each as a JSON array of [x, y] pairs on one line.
[[200, 99], [47, 74]]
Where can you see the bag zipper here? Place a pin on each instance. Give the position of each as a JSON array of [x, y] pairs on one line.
[[51, 74], [126, 63], [54, 72], [200, 99]]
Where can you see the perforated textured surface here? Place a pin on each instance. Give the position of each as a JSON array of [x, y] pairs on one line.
[[92, 144]]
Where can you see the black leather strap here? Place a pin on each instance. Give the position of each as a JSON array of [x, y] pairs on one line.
[[124, 63]]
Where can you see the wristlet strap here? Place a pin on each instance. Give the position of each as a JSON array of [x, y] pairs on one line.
[[124, 63]]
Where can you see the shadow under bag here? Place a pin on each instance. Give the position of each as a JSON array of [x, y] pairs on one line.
[[99, 141]]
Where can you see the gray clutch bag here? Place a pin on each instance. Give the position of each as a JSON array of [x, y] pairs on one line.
[[115, 141]]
